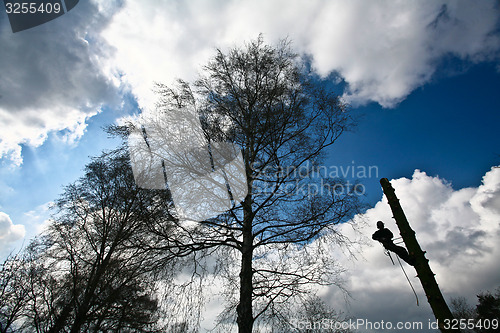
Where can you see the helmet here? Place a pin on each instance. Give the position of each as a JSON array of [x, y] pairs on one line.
[[380, 224]]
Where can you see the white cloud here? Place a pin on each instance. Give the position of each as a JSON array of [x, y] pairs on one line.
[[56, 76], [386, 49], [30, 224], [53, 78], [459, 229], [9, 233], [382, 49], [38, 219]]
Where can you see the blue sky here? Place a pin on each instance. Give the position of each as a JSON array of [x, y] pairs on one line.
[[423, 77], [447, 128]]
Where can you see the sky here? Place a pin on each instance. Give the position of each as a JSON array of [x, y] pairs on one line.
[[422, 77]]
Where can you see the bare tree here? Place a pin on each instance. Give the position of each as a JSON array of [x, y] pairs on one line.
[[275, 239], [488, 311], [313, 315], [91, 270], [95, 249], [462, 310], [13, 292], [484, 317]]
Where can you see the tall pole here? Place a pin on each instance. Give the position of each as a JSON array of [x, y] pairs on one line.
[[425, 275]]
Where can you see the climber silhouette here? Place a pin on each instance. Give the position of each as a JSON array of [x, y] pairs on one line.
[[384, 236]]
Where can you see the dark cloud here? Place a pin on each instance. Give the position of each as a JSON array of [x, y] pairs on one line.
[[460, 242], [54, 75]]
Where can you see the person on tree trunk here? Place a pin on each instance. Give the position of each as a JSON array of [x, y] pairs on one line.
[[384, 236]]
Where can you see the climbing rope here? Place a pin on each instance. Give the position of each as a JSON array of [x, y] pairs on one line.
[[388, 253], [407, 279]]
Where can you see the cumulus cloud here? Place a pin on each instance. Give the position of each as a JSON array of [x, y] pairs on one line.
[[382, 49], [54, 78], [9, 232], [459, 229]]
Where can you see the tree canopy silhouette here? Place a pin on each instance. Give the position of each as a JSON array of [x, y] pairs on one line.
[[88, 271], [275, 240]]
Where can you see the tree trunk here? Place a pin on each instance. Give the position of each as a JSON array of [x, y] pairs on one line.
[[80, 319], [425, 274], [61, 320], [244, 310]]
